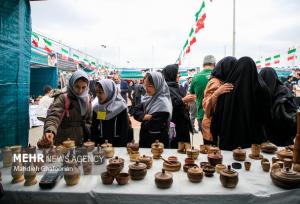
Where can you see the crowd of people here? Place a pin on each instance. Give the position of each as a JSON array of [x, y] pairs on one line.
[[235, 106]]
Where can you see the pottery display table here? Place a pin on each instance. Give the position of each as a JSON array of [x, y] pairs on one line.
[[254, 186]]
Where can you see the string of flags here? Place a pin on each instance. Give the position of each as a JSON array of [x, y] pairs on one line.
[[277, 58], [200, 17]]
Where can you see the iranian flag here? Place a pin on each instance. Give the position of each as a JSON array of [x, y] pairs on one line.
[[75, 58], [86, 62], [258, 64], [93, 65], [268, 61], [291, 54], [199, 11], [192, 37], [188, 50], [48, 45], [35, 39], [64, 53], [200, 23], [277, 59]]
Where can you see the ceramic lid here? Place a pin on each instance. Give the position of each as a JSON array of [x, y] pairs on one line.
[[269, 146], [229, 172], [215, 155], [163, 175], [286, 152], [286, 173], [239, 151], [157, 143], [89, 143], [193, 150], [137, 166], [195, 170], [106, 144], [69, 142], [145, 158], [116, 160]]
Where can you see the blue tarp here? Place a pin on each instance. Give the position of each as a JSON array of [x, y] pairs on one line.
[[40, 77], [15, 37]]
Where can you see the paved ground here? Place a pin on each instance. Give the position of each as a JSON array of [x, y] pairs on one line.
[[36, 133]]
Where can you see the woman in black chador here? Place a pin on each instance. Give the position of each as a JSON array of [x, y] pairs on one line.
[[240, 115], [281, 127]]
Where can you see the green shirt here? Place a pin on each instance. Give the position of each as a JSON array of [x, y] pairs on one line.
[[197, 87]]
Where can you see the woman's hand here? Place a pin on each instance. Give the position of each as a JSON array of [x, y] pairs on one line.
[[48, 137], [224, 88], [189, 98], [147, 117]]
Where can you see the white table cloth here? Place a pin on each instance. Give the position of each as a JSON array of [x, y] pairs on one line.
[[255, 186]]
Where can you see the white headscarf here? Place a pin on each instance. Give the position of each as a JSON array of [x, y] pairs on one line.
[[115, 103], [161, 101], [83, 99]]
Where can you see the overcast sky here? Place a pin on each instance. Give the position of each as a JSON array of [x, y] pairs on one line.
[[147, 33]]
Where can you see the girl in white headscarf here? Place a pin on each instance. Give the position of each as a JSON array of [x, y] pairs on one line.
[[69, 116], [155, 111], [110, 118]]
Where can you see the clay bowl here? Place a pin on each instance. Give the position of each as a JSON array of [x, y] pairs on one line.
[[189, 160], [172, 166], [195, 174], [113, 169], [106, 178], [163, 179], [122, 178], [203, 164]]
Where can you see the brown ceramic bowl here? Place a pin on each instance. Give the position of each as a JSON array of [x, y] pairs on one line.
[[122, 178], [187, 166], [209, 171], [203, 164], [106, 178], [189, 160]]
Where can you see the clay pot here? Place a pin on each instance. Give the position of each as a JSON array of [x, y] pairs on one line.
[[99, 156], [30, 174], [255, 152], [89, 145], [213, 149], [134, 156], [157, 149], [16, 172], [172, 165], [137, 170], [287, 163], [43, 144], [106, 178], [268, 147], [204, 149], [220, 167], [186, 167], [280, 163], [87, 167], [109, 152], [214, 158], [285, 153], [264, 160], [189, 160], [193, 153], [229, 178], [69, 143], [266, 166], [7, 157], [285, 178], [195, 174], [114, 168], [132, 147], [163, 179], [122, 178], [172, 158], [209, 170], [106, 144], [71, 173], [239, 154], [274, 160], [247, 165], [117, 161], [275, 166], [146, 160]]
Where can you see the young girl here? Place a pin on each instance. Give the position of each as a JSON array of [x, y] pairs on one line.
[[69, 116], [110, 118], [155, 111]]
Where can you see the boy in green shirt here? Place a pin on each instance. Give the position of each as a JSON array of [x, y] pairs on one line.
[[199, 83]]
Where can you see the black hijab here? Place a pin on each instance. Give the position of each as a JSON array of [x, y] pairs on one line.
[[239, 115], [223, 68], [170, 74]]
